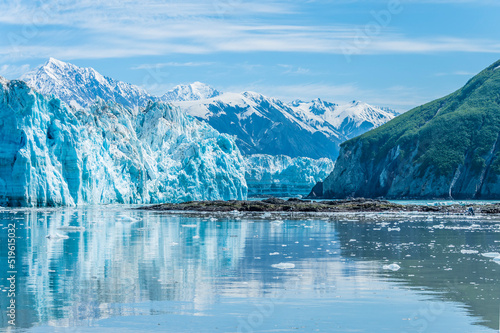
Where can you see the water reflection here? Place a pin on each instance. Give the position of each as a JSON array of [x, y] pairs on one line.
[[99, 264], [438, 255]]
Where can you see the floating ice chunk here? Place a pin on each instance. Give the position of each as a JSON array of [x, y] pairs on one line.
[[274, 254], [469, 251], [188, 225], [130, 219], [394, 229], [491, 255], [57, 236], [283, 265], [392, 267]]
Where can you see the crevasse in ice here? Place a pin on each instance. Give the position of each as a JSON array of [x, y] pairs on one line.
[[52, 155]]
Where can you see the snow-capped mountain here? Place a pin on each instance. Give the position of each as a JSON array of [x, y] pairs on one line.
[[350, 119], [53, 155], [190, 92], [264, 125], [80, 87]]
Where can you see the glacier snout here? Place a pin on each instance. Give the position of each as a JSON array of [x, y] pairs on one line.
[[52, 155]]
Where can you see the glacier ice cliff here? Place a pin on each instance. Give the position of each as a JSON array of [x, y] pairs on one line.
[[52, 155], [282, 176]]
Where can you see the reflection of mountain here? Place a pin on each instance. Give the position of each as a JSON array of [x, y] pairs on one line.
[[431, 258]]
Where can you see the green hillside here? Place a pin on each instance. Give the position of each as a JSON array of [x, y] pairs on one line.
[[452, 137]]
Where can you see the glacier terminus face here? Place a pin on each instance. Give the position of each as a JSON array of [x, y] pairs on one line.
[[282, 176], [52, 155]]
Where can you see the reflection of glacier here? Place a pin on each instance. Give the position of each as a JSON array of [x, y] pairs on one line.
[[119, 263], [124, 258]]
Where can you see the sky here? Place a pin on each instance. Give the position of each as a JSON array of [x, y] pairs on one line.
[[391, 53]]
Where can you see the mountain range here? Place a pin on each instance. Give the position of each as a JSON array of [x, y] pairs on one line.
[[262, 125]]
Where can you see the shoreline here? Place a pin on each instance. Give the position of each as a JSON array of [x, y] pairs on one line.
[[331, 208]]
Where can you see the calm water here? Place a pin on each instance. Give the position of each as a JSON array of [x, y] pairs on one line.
[[111, 269]]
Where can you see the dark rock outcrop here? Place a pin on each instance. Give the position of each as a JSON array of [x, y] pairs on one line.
[[294, 205], [316, 192]]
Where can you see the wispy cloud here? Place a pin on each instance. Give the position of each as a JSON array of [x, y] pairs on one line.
[[172, 64], [13, 71], [289, 69], [95, 29], [236, 38], [459, 73]]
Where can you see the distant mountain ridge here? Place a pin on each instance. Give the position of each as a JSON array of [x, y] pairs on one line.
[[350, 119], [265, 125], [262, 125], [80, 87], [190, 92]]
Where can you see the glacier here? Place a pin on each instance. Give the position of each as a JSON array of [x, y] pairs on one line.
[[55, 155], [283, 176]]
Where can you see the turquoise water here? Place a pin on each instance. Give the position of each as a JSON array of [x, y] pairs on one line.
[[113, 269]]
